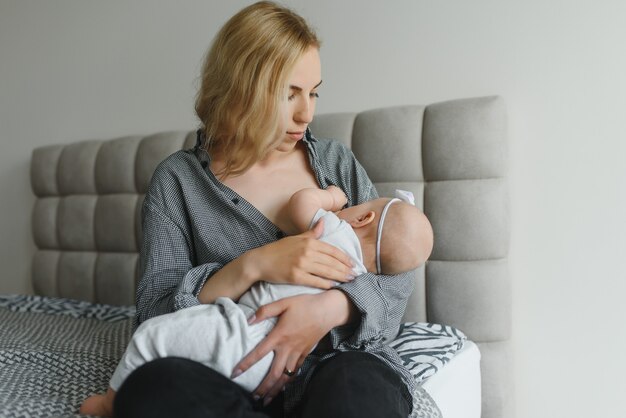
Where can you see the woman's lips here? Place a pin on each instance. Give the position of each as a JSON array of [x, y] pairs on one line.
[[295, 135]]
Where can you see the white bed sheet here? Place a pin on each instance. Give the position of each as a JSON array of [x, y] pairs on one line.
[[456, 387]]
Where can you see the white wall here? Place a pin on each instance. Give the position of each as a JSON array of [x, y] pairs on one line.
[[76, 69]]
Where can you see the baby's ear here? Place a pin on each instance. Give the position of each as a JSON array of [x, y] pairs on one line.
[[363, 219]]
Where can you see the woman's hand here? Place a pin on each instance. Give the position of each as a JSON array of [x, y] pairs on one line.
[[304, 260], [303, 321], [300, 259]]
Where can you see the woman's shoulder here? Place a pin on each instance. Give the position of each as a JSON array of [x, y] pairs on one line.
[[173, 174], [179, 164]]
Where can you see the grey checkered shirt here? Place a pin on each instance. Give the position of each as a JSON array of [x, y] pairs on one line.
[[193, 225]]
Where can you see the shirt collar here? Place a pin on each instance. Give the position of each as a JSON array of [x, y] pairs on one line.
[[308, 136]]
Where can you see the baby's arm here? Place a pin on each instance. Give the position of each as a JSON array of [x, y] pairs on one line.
[[304, 204]]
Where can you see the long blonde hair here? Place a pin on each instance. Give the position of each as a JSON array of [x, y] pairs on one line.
[[244, 82]]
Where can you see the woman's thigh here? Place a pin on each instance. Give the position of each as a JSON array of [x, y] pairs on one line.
[[176, 387], [355, 385]]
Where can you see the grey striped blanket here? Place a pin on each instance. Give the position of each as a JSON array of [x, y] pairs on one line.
[[55, 352]]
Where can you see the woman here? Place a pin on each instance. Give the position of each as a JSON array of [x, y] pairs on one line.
[[213, 219]]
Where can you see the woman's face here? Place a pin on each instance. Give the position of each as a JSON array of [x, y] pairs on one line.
[[299, 106]]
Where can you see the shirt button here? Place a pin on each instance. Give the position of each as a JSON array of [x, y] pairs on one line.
[[279, 235], [235, 201]]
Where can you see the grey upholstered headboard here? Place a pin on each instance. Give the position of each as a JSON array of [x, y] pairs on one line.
[[452, 155]]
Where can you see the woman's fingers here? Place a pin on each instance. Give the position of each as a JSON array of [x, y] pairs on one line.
[[277, 376], [292, 365], [331, 272], [325, 266], [270, 310], [323, 260], [323, 247], [334, 252], [267, 344], [295, 259], [288, 373], [260, 351], [317, 230], [275, 379], [297, 331]]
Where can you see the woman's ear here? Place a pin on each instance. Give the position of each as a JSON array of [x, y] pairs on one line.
[[363, 219]]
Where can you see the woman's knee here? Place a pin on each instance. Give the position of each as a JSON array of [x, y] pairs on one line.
[[355, 384], [172, 386]]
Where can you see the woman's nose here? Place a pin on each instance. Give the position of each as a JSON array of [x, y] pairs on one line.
[[304, 112]]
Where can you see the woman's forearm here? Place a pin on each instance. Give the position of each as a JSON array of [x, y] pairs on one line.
[[231, 281], [384, 299], [300, 259], [339, 309]]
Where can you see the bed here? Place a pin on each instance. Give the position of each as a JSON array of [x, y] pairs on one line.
[[62, 343]]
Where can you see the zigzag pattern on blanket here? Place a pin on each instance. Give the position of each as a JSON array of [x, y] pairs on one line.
[[63, 306], [426, 348], [50, 363]]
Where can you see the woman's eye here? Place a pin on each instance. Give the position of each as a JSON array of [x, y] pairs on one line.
[[313, 95]]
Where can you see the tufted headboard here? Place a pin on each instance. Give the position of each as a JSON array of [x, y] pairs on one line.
[[452, 155]]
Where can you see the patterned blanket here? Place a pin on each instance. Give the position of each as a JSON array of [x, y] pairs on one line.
[[55, 352]]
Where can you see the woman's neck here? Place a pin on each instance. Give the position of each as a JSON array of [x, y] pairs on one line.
[[276, 156], [274, 160]]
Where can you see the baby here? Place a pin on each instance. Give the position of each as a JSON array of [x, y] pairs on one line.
[[218, 334]]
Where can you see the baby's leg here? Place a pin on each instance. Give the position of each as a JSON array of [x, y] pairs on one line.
[[187, 333], [216, 335], [99, 405]]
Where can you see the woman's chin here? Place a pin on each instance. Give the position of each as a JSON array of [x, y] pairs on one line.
[[287, 145]]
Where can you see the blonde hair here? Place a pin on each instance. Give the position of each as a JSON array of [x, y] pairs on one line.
[[244, 81]]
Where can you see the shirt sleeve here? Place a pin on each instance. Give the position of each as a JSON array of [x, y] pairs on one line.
[[168, 281], [380, 299]]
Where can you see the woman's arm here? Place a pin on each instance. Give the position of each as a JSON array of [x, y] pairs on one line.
[[169, 281], [231, 281], [300, 260], [380, 302]]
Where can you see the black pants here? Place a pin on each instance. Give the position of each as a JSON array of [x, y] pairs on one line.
[[351, 384]]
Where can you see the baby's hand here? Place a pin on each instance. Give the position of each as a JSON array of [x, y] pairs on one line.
[[339, 197]]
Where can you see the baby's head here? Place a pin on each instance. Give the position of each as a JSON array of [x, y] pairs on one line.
[[406, 236]]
